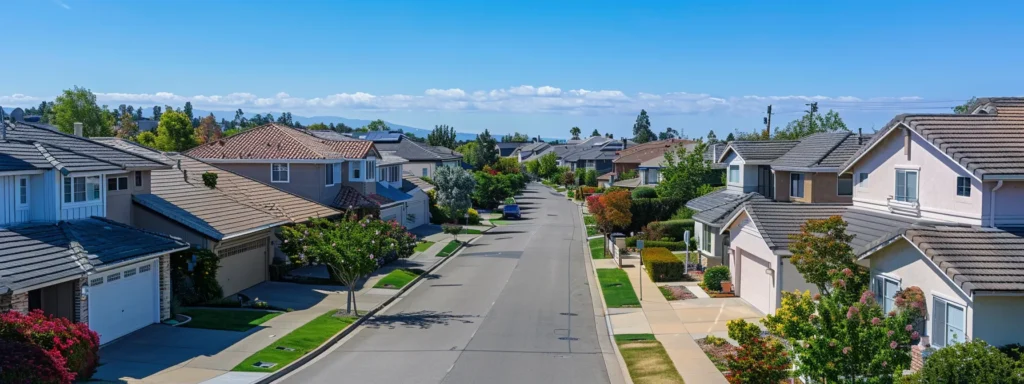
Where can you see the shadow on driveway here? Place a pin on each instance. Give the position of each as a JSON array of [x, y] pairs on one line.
[[158, 347]]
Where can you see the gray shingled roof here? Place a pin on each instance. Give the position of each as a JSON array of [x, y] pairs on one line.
[[79, 150], [766, 150], [712, 200], [34, 254], [413, 151], [810, 152], [989, 143], [20, 156], [871, 228], [778, 221], [410, 182], [716, 216]]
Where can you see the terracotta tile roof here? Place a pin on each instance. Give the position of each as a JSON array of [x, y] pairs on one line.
[[349, 197], [276, 141], [640, 153]]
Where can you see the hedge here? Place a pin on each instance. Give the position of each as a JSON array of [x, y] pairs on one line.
[[644, 193], [675, 228], [662, 265], [645, 211], [670, 245]]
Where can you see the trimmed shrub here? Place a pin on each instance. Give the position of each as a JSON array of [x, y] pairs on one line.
[[474, 216], [645, 211], [27, 363], [714, 276], [662, 265], [631, 242], [970, 362], [670, 245], [644, 193], [77, 345], [673, 228]]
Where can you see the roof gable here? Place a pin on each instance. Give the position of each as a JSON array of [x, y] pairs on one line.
[[276, 141]]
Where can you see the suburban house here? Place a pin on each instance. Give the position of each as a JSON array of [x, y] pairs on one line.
[[539, 148], [809, 173], [937, 205], [748, 165], [506, 149], [630, 158], [421, 158], [338, 173], [650, 170], [237, 218], [405, 203], [711, 212], [67, 246], [593, 157]]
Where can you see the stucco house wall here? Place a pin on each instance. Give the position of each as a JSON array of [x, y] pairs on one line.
[[119, 203], [417, 167], [997, 319], [304, 179], [746, 239]]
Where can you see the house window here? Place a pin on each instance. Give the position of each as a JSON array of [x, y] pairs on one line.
[[22, 191], [117, 183], [963, 186], [734, 173], [948, 322], [357, 170], [862, 180], [425, 174], [845, 185], [651, 176], [79, 189], [796, 185], [138, 178], [329, 174], [370, 165], [885, 292], [705, 243], [279, 173], [906, 186]]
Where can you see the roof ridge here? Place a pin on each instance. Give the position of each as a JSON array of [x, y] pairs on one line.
[[86, 139], [78, 253], [286, 130], [90, 156]]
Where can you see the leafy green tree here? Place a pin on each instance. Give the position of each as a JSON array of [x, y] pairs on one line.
[[442, 136], [670, 133], [138, 114], [547, 165], [823, 247], [575, 132], [595, 133], [590, 178], [712, 137], [79, 105], [486, 150], [642, 132], [188, 111], [515, 138], [156, 112], [965, 108], [810, 123], [730, 137], [175, 133], [318, 127], [970, 362], [127, 129], [377, 125], [468, 152], [684, 172], [147, 138], [454, 190], [748, 136]]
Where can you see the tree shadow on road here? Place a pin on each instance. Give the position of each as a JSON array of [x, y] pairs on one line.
[[419, 319]]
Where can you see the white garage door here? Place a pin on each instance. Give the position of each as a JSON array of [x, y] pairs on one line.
[[419, 210], [242, 266], [754, 285], [124, 300]]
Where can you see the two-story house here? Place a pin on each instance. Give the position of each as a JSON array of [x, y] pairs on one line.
[[237, 218], [337, 173], [399, 200], [650, 170], [421, 159], [937, 205], [809, 172], [632, 156], [66, 243]]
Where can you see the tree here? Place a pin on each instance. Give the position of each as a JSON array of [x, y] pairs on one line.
[[810, 123], [547, 165], [515, 138], [239, 117], [823, 247], [759, 359], [712, 138], [78, 105], [128, 128], [486, 150], [730, 138], [684, 172], [377, 125], [138, 114], [748, 136], [670, 133], [454, 190], [575, 132], [468, 152], [208, 130], [967, 107], [147, 138], [609, 135], [611, 210], [442, 136], [642, 132], [590, 178], [507, 165], [595, 133], [318, 127], [174, 132], [188, 111], [157, 112]]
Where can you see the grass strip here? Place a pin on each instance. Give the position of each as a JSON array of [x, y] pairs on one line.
[[648, 362], [634, 337], [423, 245], [591, 231], [470, 231], [616, 288], [597, 248], [227, 319], [398, 278], [449, 249], [298, 342], [589, 220]]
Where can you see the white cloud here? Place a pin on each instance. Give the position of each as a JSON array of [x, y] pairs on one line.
[[62, 5], [523, 99]]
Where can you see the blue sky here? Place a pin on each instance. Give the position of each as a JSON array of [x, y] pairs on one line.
[[537, 67]]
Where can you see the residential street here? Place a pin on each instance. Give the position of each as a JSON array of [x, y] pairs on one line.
[[514, 307]]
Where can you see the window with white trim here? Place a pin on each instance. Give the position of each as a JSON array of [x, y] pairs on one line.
[[280, 173], [906, 185], [948, 322], [425, 172], [963, 186], [81, 189], [734, 173], [862, 180], [356, 170], [117, 183], [371, 166], [796, 184], [844, 185], [138, 178], [23, 191], [885, 289], [705, 240]]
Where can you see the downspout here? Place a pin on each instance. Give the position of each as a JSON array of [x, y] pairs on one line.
[[992, 207]]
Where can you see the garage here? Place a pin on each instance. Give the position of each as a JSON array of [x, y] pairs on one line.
[[755, 286], [124, 300], [418, 210], [243, 265]]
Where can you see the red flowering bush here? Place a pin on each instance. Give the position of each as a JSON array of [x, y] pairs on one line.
[[76, 344], [759, 359], [24, 363]]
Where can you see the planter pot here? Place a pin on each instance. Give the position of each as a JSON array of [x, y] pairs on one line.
[[726, 286]]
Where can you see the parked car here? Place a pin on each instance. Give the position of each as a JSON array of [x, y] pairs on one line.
[[510, 211]]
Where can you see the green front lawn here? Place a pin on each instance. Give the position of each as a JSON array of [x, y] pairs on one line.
[[423, 245], [616, 288], [398, 278], [589, 220], [591, 231], [449, 249], [647, 360], [226, 319], [597, 248], [470, 231], [302, 340]]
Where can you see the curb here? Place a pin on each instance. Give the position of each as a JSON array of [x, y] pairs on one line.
[[352, 327], [607, 318]]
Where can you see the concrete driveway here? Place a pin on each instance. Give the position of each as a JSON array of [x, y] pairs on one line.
[[159, 347]]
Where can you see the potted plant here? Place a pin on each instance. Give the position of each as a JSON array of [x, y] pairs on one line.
[[726, 286]]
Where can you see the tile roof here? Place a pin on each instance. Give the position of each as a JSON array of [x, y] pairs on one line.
[[278, 141], [415, 151], [349, 197], [235, 206], [713, 199], [410, 182], [777, 221], [716, 216], [976, 259], [628, 183], [766, 150], [63, 151], [639, 153], [1005, 106], [34, 254], [871, 228], [506, 149], [811, 150], [386, 194], [390, 158], [989, 143], [655, 162]]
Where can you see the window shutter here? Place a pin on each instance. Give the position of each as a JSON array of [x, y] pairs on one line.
[[938, 322]]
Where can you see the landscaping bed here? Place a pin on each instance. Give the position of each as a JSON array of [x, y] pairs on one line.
[[597, 248], [296, 343], [647, 360], [449, 249], [717, 348], [238, 320], [676, 292], [398, 278], [616, 288]]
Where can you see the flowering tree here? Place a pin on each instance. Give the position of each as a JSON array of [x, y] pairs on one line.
[[611, 210], [454, 188], [351, 248], [759, 359], [823, 247], [72, 347]]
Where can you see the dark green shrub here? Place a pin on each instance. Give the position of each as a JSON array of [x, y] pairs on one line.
[[210, 180], [198, 284], [644, 193], [673, 228], [970, 362], [670, 245], [662, 265], [714, 276], [1014, 351], [645, 211], [631, 242]]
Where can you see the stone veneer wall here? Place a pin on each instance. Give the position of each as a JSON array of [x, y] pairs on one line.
[[19, 302], [81, 302], [165, 287]]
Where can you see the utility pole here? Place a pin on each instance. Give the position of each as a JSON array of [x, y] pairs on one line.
[[768, 124]]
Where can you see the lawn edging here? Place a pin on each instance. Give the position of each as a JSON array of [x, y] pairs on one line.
[[301, 361]]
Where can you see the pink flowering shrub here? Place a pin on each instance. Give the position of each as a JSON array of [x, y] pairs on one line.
[[25, 363], [74, 343]]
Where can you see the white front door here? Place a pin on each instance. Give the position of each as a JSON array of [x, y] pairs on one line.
[[124, 300]]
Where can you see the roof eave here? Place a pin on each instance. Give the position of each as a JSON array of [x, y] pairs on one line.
[[806, 169]]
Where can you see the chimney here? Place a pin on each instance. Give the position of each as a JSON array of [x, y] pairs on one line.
[[78, 129], [860, 136], [623, 143]]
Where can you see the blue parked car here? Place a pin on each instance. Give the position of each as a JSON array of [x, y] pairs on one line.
[[510, 211]]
